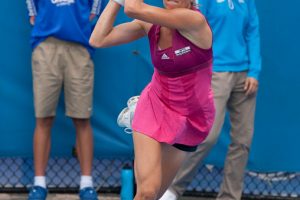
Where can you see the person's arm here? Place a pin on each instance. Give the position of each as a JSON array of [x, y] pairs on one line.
[[253, 45], [105, 34], [32, 11]]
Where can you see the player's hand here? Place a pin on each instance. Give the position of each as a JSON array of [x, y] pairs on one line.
[[251, 85], [32, 20]]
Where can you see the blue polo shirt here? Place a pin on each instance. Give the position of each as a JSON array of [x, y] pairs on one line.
[[63, 19], [236, 35]]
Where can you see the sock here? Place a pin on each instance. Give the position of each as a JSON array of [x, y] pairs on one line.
[[168, 195], [40, 181], [86, 181]]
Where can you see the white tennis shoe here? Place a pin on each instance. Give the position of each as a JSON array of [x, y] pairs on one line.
[[126, 115]]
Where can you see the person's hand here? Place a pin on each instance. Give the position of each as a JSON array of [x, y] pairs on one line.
[[92, 16], [32, 20], [251, 85]]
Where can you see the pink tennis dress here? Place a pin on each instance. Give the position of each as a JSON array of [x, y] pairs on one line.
[[177, 107]]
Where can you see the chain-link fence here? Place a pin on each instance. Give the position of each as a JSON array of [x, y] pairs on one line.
[[279, 185], [63, 175]]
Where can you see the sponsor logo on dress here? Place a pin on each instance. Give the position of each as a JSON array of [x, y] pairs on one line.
[[182, 51], [62, 2], [165, 57]]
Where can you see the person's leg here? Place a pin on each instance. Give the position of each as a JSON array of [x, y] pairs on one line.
[[84, 138], [77, 147], [47, 82], [78, 88], [84, 145], [241, 109], [155, 166], [41, 144], [78, 85], [186, 173], [172, 160], [147, 166], [41, 150]]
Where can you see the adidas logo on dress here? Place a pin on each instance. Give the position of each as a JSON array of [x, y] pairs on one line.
[[165, 57]]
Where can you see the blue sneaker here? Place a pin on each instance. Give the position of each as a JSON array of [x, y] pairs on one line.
[[37, 193], [88, 193]]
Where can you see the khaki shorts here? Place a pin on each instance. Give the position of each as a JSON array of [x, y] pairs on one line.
[[57, 64]]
